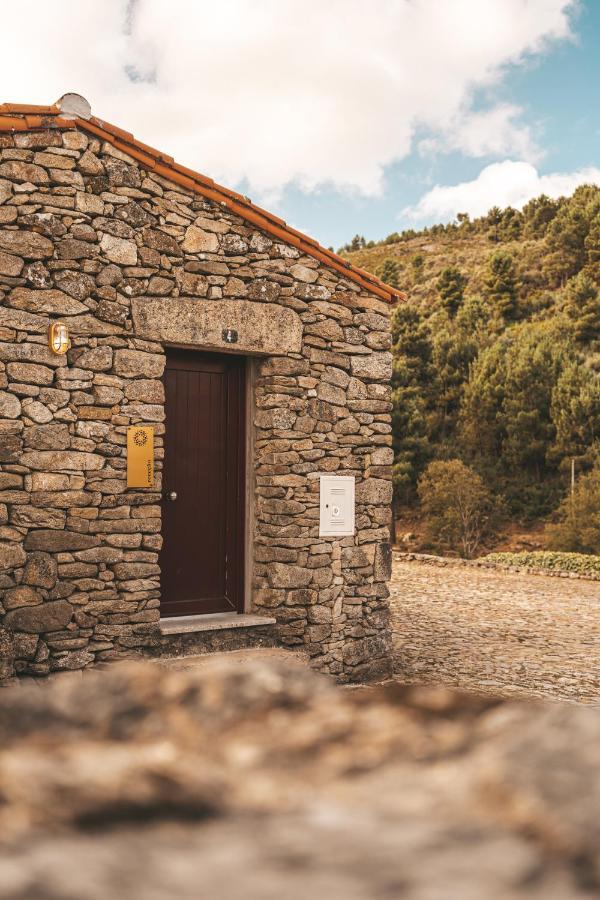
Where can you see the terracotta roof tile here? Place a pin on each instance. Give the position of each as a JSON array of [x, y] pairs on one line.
[[22, 117]]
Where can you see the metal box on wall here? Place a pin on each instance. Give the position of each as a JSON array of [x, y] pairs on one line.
[[336, 505]]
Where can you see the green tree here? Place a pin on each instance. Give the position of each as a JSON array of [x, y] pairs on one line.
[[537, 215], [411, 372], [501, 286], [565, 239], [464, 221], [583, 308], [417, 263], [451, 288], [389, 271], [458, 507], [511, 225], [578, 526], [453, 349], [507, 423], [476, 318], [592, 249], [575, 412]]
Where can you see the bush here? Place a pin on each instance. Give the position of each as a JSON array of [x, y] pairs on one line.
[[578, 528], [555, 562], [459, 508]]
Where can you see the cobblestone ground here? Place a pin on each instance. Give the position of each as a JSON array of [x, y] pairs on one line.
[[505, 633]]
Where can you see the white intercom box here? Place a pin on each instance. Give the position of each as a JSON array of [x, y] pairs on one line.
[[336, 505]]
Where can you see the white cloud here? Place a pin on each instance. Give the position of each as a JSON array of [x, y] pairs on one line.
[[501, 184], [490, 132], [283, 91]]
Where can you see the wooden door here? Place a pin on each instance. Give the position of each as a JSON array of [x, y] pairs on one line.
[[202, 557]]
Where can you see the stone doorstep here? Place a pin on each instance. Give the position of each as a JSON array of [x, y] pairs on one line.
[[294, 657], [217, 632], [212, 622]]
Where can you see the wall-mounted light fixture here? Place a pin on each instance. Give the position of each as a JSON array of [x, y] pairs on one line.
[[58, 337]]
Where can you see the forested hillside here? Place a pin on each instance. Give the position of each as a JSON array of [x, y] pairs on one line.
[[497, 351]]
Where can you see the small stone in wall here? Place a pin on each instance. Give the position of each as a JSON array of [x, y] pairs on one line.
[[21, 596], [191, 284], [10, 406], [159, 240], [17, 170], [50, 616], [376, 365], [10, 265], [39, 413], [303, 273], [41, 570], [118, 250], [89, 203], [197, 240], [74, 249], [26, 243], [11, 556], [135, 363], [54, 302]]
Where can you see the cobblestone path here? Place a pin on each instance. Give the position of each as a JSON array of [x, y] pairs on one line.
[[500, 632]]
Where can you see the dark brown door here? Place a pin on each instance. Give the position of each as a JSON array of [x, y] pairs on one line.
[[203, 484]]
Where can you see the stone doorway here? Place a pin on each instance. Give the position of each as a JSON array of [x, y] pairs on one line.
[[202, 559]]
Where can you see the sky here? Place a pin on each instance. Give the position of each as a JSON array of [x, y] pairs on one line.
[[341, 116]]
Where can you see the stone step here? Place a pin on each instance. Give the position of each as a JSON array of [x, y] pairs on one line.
[[240, 657], [198, 635]]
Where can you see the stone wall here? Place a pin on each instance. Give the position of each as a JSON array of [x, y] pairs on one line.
[[87, 235]]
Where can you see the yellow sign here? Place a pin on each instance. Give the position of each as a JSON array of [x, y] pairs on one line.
[[140, 456]]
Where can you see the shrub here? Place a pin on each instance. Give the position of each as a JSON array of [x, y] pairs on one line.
[[555, 562], [389, 271], [459, 508], [578, 527]]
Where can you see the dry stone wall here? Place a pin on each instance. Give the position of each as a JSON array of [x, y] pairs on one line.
[[85, 233]]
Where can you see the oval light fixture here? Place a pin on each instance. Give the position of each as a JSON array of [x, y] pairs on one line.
[[58, 337]]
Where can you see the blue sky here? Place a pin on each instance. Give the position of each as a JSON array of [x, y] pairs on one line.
[[558, 92], [341, 116]]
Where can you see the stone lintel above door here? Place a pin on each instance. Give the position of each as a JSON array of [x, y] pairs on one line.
[[260, 328]]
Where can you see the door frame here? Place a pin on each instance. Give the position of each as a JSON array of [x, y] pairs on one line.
[[239, 543]]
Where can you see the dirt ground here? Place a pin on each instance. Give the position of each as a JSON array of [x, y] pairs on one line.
[[509, 634], [515, 537]]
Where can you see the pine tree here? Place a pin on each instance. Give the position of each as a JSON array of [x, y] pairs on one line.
[[389, 272], [592, 249], [583, 308], [537, 215], [357, 243], [575, 411], [501, 286], [511, 225], [492, 221], [508, 415], [451, 286], [417, 263], [411, 372], [453, 349], [565, 242]]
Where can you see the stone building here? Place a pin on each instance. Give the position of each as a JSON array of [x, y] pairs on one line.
[[266, 357]]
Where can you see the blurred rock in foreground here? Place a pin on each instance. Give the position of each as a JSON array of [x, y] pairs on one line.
[[268, 782]]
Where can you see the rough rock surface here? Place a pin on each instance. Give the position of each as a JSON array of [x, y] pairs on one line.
[[264, 780], [129, 261]]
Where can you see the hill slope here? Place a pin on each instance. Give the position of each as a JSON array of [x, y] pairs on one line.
[[496, 352]]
